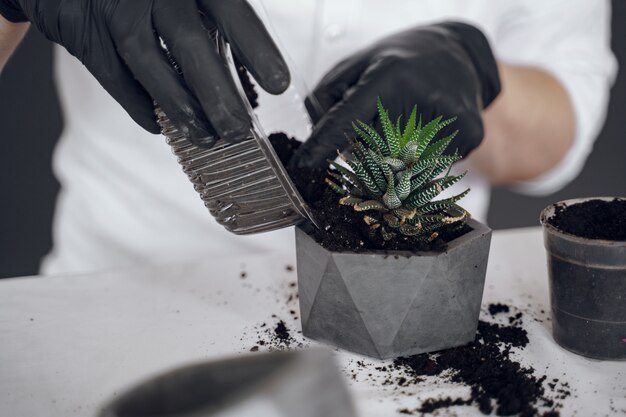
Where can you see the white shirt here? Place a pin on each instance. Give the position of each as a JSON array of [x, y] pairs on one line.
[[125, 201]]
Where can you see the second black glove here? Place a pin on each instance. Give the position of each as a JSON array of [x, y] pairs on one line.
[[445, 69]]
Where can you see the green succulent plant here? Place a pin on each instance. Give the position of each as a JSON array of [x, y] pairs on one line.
[[395, 177]]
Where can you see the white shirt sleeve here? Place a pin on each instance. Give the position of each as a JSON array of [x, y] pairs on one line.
[[569, 39]]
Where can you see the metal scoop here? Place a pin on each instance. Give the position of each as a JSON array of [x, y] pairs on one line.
[[244, 185]]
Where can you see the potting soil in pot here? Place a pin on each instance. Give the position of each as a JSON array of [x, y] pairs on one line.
[[341, 228], [594, 219]]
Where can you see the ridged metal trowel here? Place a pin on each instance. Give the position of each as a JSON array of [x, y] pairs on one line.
[[244, 185]]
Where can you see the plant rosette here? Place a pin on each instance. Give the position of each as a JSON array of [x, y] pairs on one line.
[[585, 240], [390, 303]]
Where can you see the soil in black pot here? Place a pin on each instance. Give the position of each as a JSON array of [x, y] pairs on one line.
[[341, 228], [593, 219]]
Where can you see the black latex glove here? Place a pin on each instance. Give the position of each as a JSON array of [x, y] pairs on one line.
[[445, 69], [118, 42]]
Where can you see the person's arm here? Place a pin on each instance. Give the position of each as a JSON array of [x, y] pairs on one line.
[[11, 34], [528, 129]]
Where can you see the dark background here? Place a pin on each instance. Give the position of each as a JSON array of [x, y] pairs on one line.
[[30, 123]]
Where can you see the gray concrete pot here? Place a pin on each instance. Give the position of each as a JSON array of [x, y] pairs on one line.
[[385, 306], [285, 384]]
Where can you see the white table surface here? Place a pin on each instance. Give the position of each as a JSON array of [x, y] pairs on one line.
[[70, 343]]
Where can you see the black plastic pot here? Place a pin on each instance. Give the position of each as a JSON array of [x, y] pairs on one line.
[[285, 384], [587, 290], [394, 304]]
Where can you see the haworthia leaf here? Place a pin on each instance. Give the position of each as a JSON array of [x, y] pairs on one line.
[[335, 187], [410, 127], [370, 205], [440, 219], [365, 178], [430, 130], [380, 142], [390, 136], [404, 185], [425, 134], [405, 214], [399, 131], [351, 176], [366, 137], [444, 165], [407, 153], [410, 230], [369, 220], [426, 194], [370, 161], [423, 164], [387, 172], [427, 228], [394, 163], [391, 220], [428, 220], [439, 205], [349, 201], [437, 148], [421, 179], [347, 185], [455, 219], [390, 198]]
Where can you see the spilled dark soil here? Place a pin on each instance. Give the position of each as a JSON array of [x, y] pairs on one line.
[[274, 336], [498, 384]]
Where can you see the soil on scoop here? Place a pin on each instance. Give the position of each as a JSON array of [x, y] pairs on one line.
[[594, 219], [246, 83], [341, 228]]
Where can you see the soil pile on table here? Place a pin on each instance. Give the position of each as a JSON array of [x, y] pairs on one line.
[[594, 219], [275, 337], [498, 384], [342, 228], [282, 333]]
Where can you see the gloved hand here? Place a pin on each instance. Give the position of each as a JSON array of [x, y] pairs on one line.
[[445, 69], [118, 42]]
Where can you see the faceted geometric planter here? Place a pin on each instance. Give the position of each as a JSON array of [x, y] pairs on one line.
[[388, 305]]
